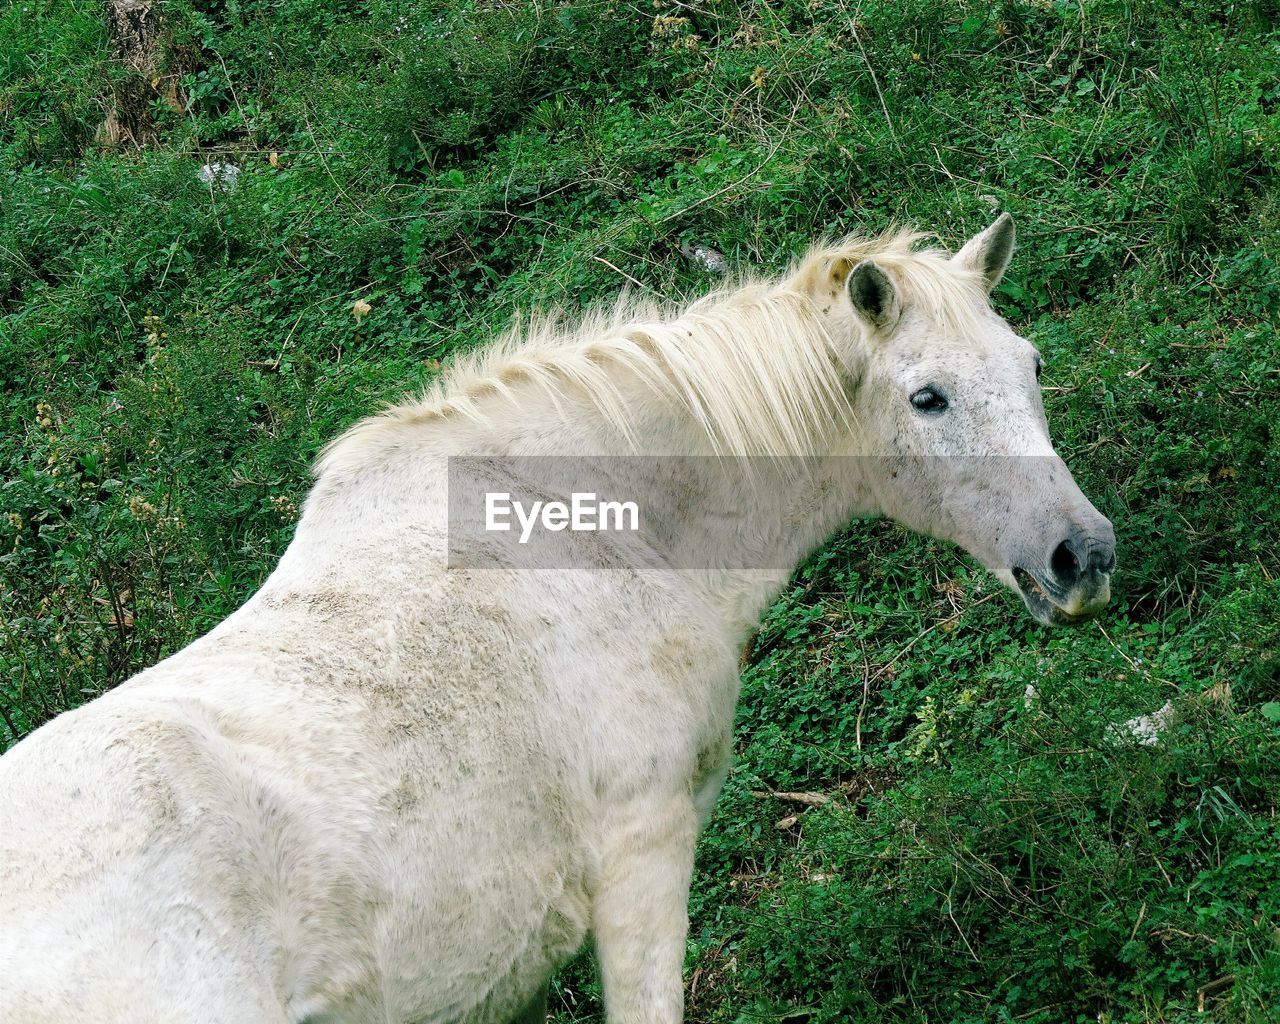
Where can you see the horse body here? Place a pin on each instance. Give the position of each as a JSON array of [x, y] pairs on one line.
[[351, 803], [395, 788]]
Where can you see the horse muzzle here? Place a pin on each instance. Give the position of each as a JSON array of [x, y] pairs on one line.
[[1074, 582]]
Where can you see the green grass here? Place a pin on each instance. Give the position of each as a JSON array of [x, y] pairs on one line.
[[174, 357]]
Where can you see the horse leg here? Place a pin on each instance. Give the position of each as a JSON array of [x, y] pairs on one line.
[[640, 912], [535, 1010]]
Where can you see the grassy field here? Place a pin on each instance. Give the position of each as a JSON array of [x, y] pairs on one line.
[[174, 354]]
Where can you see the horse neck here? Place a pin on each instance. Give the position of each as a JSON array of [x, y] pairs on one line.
[[735, 526], [742, 527]]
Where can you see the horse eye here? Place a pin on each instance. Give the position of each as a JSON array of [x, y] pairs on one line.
[[1039, 367], [929, 401]]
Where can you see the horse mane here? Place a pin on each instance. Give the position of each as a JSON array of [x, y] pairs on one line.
[[753, 361]]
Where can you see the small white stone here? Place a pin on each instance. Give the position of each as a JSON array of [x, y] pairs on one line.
[[222, 176], [706, 257], [1146, 729]]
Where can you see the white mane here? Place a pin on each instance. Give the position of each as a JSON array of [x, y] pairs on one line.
[[755, 362]]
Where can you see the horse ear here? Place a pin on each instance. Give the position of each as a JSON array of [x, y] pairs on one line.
[[989, 251], [874, 296]]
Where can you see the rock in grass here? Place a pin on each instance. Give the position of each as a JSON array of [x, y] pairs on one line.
[[707, 258], [220, 176]]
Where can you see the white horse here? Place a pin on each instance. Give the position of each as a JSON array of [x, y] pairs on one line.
[[408, 778]]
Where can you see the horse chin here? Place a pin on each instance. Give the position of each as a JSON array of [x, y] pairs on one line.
[[1046, 609]]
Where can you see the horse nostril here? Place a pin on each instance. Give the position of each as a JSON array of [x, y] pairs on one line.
[[1065, 565], [1082, 556]]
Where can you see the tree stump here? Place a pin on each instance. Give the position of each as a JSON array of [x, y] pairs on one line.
[[134, 28]]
